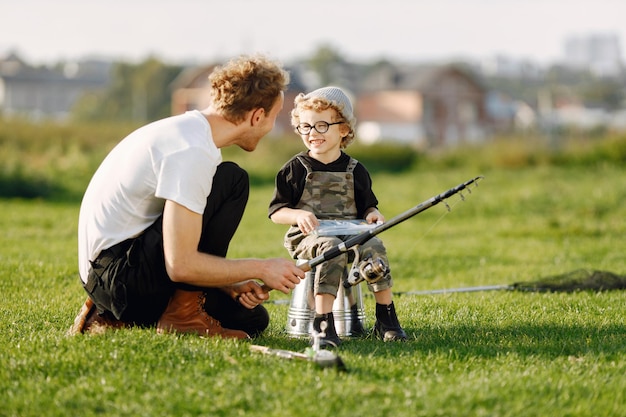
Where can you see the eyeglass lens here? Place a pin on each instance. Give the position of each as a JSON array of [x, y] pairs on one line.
[[321, 127]]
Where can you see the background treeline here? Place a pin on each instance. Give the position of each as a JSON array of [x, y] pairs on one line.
[[137, 92], [142, 91], [56, 161]]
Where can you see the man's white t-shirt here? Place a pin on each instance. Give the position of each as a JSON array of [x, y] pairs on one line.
[[170, 159]]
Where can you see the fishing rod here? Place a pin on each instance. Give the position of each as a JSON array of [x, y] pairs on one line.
[[320, 357], [363, 237]]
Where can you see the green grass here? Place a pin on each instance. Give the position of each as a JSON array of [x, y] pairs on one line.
[[497, 353]]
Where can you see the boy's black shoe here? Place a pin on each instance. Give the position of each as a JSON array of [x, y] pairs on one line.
[[356, 326], [387, 326], [330, 338]]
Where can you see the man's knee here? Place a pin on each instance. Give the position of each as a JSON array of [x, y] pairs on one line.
[[231, 185], [231, 172]]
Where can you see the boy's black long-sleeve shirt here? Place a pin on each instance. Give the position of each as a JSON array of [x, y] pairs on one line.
[[291, 178]]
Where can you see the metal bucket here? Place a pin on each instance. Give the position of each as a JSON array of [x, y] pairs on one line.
[[302, 308]]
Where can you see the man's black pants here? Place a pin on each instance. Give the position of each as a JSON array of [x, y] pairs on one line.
[[129, 280]]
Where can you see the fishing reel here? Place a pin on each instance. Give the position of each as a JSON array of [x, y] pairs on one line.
[[369, 269]]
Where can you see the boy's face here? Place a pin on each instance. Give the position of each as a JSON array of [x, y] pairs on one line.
[[325, 147]]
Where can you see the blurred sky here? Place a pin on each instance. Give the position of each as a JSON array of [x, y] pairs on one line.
[[45, 31]]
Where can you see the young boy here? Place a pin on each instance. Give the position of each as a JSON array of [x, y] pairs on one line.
[[325, 183]]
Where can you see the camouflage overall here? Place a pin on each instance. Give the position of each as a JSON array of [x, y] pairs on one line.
[[330, 195]]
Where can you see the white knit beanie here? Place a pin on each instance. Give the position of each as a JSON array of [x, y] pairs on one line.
[[337, 97]]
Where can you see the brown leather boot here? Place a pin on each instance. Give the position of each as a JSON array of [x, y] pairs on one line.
[[79, 322], [89, 321], [185, 314]]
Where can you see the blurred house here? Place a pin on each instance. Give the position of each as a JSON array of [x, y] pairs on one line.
[[426, 105], [47, 93], [564, 109], [431, 106], [390, 115], [190, 89], [508, 114], [422, 105], [579, 116]]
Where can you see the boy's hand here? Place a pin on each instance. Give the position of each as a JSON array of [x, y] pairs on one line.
[[306, 221], [374, 216]]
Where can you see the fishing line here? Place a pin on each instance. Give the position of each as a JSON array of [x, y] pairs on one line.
[[449, 208]]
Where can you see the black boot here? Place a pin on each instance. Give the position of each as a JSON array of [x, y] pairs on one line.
[[387, 326], [356, 327], [330, 338]]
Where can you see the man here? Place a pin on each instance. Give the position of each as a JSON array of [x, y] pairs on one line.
[[158, 216]]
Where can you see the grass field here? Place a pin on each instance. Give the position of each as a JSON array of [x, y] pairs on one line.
[[496, 353]]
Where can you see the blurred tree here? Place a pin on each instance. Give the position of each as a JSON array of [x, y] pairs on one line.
[[137, 93], [591, 90], [606, 93], [573, 84], [325, 62]]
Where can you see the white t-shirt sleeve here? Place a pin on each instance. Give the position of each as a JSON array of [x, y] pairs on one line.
[[186, 177]]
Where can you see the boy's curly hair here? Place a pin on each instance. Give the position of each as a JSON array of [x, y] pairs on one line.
[[246, 83]]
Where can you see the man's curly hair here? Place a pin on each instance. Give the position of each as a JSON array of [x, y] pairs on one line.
[[246, 83]]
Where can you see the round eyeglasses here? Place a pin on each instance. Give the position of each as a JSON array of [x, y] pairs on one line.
[[321, 127]]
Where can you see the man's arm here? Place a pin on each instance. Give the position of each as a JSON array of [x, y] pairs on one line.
[[184, 263]]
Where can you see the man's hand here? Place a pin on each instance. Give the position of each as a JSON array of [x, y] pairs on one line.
[[249, 293], [281, 274]]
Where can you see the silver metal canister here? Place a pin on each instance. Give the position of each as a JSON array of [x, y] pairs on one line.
[[302, 308]]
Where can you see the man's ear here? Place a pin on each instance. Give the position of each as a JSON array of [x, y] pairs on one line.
[[257, 116]]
